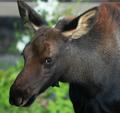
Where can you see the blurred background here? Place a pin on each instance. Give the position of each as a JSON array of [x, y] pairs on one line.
[[13, 38]]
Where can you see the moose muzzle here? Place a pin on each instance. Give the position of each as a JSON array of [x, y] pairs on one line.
[[20, 97]]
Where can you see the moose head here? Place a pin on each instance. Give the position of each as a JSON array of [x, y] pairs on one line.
[[49, 57]]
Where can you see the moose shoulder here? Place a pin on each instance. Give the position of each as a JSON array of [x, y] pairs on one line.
[[83, 51]]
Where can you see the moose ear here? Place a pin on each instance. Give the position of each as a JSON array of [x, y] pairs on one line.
[[30, 18], [63, 21], [80, 25]]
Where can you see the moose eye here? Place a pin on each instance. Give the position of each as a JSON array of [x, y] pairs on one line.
[[48, 61]]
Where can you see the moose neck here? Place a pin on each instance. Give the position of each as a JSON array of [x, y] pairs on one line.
[[76, 60], [80, 58]]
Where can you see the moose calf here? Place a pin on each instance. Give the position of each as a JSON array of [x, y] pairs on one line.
[[83, 51]]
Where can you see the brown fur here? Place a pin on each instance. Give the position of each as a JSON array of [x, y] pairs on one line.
[[89, 62]]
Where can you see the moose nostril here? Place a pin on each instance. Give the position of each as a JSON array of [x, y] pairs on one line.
[[19, 101], [16, 101], [16, 97]]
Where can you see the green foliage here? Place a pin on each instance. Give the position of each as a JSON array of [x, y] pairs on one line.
[[54, 100]]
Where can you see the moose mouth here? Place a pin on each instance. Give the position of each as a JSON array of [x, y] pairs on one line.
[[28, 102], [21, 102], [22, 99]]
